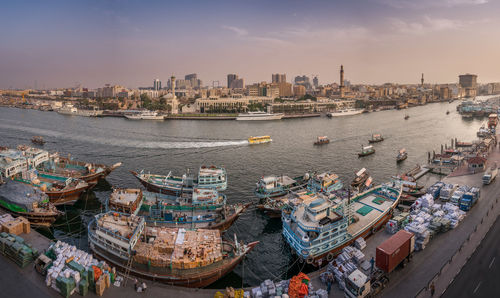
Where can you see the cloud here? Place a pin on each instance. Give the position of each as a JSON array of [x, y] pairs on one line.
[[237, 30], [243, 34], [423, 4], [426, 25]]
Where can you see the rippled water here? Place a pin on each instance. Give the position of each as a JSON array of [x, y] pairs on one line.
[[175, 145]]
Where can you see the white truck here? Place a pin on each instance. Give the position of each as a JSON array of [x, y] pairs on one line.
[[490, 174]]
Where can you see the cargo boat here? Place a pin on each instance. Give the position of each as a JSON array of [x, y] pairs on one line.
[[162, 210], [325, 182], [402, 155], [174, 256], [31, 203], [66, 167], [61, 191], [259, 140], [376, 138], [366, 150], [208, 177], [317, 230], [275, 186], [273, 207]]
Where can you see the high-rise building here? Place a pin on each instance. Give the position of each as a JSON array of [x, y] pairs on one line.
[[230, 78], [278, 78], [469, 83], [156, 84], [315, 82], [303, 81], [193, 80], [299, 91]]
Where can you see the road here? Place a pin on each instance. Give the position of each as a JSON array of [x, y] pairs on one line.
[[479, 277]]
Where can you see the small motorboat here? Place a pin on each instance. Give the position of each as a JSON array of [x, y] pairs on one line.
[[402, 155], [376, 138], [322, 140], [366, 150], [447, 112], [407, 117], [38, 140]]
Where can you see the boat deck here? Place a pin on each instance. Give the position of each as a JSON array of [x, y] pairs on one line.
[[368, 209], [125, 197]]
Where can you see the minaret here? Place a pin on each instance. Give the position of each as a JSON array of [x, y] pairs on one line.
[[422, 80], [172, 84], [341, 81]]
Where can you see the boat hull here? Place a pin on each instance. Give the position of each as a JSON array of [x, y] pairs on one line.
[[365, 154], [195, 280], [66, 197], [35, 219]]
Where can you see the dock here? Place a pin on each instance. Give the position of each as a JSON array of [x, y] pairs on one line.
[[423, 170]]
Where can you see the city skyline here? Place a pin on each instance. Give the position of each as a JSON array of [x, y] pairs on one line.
[[130, 43]]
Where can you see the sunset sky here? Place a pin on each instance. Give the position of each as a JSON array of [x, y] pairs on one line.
[[61, 43]]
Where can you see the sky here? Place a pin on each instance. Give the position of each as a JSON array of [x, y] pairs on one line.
[[56, 44]]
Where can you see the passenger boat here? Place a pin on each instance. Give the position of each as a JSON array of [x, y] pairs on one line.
[[166, 211], [67, 167], [174, 256], [31, 203], [325, 182], [366, 150], [322, 140], [144, 115], [208, 177], [61, 191], [259, 140], [345, 112], [259, 116], [275, 186], [402, 155], [38, 140], [407, 117], [317, 230], [376, 138], [70, 109], [360, 178]]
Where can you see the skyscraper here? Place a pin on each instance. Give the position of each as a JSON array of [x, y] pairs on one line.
[[278, 78], [230, 78], [315, 82], [156, 84]]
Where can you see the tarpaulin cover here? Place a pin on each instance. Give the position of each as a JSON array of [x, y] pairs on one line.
[[18, 194]]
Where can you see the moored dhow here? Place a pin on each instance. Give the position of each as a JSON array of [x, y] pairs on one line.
[[208, 177], [273, 207], [175, 256], [376, 138], [366, 150], [275, 186], [31, 203], [325, 182], [317, 230], [67, 167], [166, 211]]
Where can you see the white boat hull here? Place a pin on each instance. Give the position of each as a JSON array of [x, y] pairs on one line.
[[138, 117], [347, 113], [260, 118]]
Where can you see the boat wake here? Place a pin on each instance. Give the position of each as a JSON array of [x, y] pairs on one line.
[[128, 142]]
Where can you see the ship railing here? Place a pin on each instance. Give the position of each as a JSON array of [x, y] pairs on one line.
[[112, 248]]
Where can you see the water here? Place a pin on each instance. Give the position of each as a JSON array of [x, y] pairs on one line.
[[166, 146]]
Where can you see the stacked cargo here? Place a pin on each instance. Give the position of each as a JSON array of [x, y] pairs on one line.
[[360, 243], [457, 195], [392, 226], [269, 289], [435, 189], [446, 192], [14, 248], [73, 269], [15, 226], [180, 248], [343, 265]]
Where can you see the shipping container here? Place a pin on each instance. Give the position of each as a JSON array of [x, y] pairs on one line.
[[394, 250]]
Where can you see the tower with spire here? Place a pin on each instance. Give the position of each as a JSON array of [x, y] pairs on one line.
[[422, 80], [341, 87]]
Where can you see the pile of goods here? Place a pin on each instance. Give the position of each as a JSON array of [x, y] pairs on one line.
[[428, 218], [360, 243], [16, 226], [345, 263], [14, 248], [397, 222], [298, 286], [73, 269], [183, 249]]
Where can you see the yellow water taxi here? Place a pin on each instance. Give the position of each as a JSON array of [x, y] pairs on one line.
[[259, 140]]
